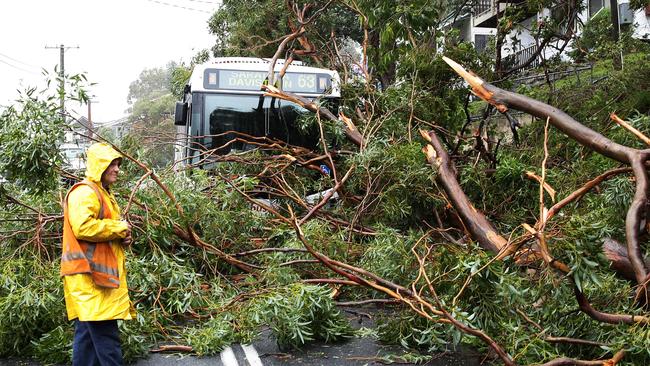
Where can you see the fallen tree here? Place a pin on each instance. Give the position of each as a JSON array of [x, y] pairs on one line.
[[465, 253], [635, 222], [481, 230]]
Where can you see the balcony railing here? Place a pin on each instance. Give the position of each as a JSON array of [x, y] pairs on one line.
[[520, 57], [485, 11], [482, 6]]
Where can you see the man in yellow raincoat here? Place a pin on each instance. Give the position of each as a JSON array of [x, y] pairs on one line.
[[92, 262]]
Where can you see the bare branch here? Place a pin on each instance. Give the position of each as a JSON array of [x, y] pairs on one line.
[[629, 127]]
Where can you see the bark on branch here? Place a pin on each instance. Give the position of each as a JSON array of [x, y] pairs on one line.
[[564, 361], [474, 221], [483, 231], [616, 253], [503, 100]]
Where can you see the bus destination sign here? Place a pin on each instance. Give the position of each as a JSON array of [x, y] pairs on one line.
[[252, 80]]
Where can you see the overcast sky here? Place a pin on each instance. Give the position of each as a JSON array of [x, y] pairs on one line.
[[117, 39]]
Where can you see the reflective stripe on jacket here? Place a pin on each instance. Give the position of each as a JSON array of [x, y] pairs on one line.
[[94, 258], [84, 299]]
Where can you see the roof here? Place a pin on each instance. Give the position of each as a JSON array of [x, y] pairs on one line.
[[113, 123]]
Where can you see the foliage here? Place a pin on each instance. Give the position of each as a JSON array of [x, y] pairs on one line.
[[212, 336], [590, 101], [138, 336], [256, 33], [639, 4], [596, 43], [596, 40], [233, 32], [387, 175], [300, 314], [31, 131], [414, 332], [151, 83], [389, 255], [152, 98], [296, 314], [398, 32], [55, 346], [31, 296]]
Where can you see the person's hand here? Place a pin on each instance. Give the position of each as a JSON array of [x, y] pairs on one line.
[[128, 239]]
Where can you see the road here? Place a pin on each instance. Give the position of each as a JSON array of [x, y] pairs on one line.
[[265, 352], [355, 352]]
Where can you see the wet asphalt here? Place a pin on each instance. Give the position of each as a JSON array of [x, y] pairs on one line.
[[265, 352]]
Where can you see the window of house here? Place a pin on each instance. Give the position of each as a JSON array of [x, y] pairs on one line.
[[481, 42], [594, 6]]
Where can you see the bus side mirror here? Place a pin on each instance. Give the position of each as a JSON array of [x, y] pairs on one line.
[[180, 117]]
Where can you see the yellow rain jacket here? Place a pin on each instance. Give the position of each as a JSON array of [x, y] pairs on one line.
[[83, 299]]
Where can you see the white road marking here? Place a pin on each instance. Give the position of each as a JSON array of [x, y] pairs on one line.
[[228, 357], [251, 355]]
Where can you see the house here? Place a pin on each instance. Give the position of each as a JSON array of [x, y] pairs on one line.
[[77, 140], [479, 35], [75, 143], [642, 24], [479, 25], [78, 131], [117, 128]]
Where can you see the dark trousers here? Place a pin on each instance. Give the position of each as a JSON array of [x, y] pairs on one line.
[[96, 343]]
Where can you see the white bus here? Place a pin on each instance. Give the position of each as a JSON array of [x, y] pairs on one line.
[[224, 98]]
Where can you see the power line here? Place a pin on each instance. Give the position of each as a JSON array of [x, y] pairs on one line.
[[18, 68], [205, 2], [180, 7], [20, 62]]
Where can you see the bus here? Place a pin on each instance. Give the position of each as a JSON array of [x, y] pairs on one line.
[[223, 100]]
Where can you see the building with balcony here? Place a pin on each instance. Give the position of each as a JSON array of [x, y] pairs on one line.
[[479, 27], [479, 36]]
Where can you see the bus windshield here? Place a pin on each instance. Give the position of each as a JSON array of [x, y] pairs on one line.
[[253, 115]]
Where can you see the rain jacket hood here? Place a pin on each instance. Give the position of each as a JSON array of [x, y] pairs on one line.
[[98, 157]]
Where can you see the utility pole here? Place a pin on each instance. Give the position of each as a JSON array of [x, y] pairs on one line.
[[62, 50], [613, 4], [90, 121]]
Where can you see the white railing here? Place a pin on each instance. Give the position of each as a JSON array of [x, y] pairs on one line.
[[482, 7]]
